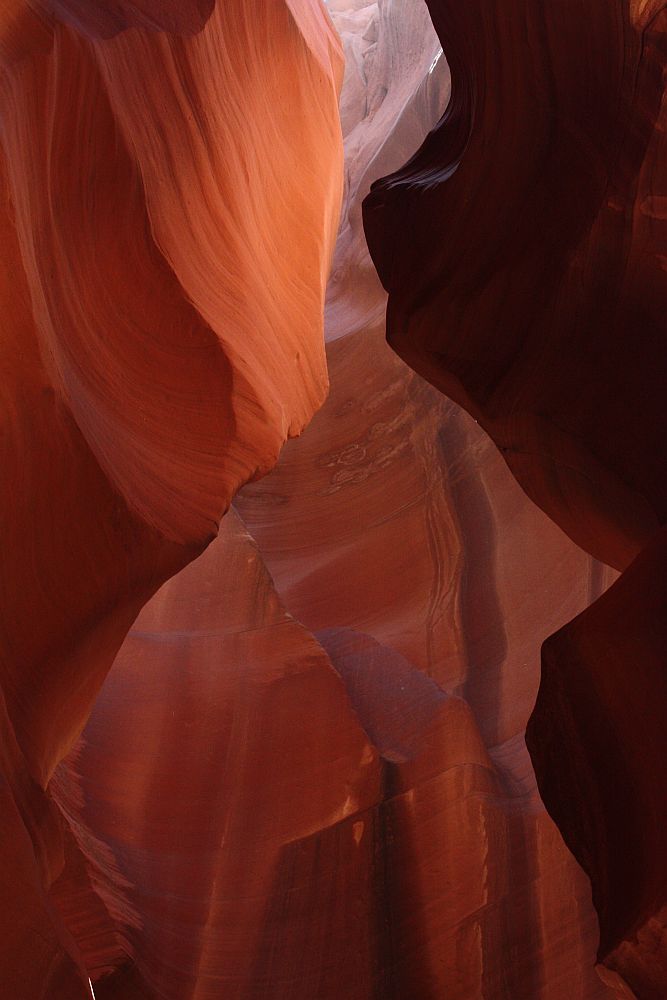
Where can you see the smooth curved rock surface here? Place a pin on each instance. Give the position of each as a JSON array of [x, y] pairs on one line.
[[305, 775], [523, 248], [394, 532], [334, 823], [162, 283], [220, 754], [527, 229], [352, 810], [408, 531], [603, 695]]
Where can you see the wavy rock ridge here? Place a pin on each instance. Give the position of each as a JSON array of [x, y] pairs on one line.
[[340, 684], [167, 232], [532, 291], [305, 775]]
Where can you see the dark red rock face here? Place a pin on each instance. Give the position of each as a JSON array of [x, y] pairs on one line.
[[602, 697], [523, 249], [335, 693], [279, 754]]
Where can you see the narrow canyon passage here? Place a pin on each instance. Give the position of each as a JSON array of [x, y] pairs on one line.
[[332, 422], [340, 684]]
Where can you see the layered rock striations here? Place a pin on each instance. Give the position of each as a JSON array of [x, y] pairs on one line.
[[534, 220], [406, 544], [334, 824], [335, 693], [218, 796], [306, 775], [523, 250], [171, 178]]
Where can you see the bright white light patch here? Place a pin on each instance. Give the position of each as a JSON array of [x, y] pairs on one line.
[[435, 61]]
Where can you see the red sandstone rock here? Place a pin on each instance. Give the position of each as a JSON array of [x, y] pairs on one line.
[[407, 530], [406, 526], [602, 696], [221, 752], [255, 810], [334, 823], [528, 230], [337, 824], [392, 528], [157, 203], [523, 249]]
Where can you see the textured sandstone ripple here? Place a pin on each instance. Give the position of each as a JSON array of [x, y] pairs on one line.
[[305, 775], [171, 179], [372, 827], [523, 250]]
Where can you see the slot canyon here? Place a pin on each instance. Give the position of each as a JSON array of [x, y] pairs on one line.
[[333, 630]]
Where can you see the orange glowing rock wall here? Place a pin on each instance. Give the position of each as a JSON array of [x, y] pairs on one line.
[[306, 775], [523, 248], [171, 180]]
